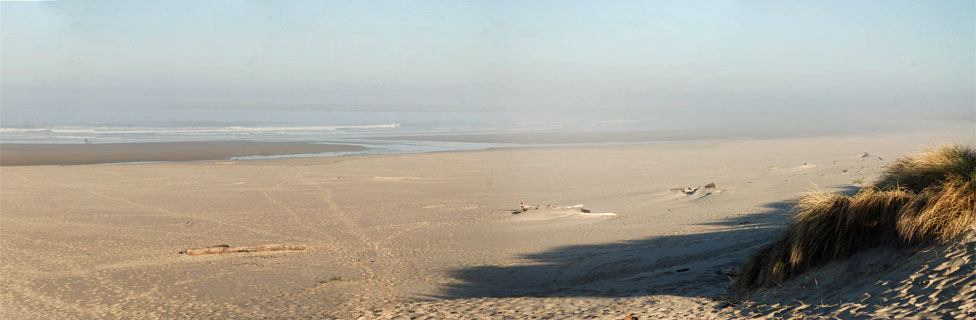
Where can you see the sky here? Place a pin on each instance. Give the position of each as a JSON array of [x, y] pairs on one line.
[[784, 57]]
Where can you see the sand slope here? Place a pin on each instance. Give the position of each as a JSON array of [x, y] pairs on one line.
[[927, 282]]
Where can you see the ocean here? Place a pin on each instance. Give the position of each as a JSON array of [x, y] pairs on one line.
[[369, 128], [381, 130]]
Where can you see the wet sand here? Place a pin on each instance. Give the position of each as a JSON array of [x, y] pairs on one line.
[[14, 154], [676, 135], [662, 135]]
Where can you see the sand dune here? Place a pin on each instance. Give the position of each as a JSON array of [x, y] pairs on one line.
[[934, 282]]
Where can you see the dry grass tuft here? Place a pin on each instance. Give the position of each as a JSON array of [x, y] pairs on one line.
[[930, 167], [929, 196], [940, 212], [826, 227]]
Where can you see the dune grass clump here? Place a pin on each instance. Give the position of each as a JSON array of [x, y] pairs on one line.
[[827, 226], [924, 197], [941, 212], [930, 167]]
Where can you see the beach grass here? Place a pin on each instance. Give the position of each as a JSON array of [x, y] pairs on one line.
[[921, 198]]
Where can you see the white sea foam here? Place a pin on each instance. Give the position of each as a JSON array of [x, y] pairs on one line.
[[190, 130]]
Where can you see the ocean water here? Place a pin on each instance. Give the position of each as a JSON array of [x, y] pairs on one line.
[[169, 125], [188, 124], [371, 128], [374, 128]]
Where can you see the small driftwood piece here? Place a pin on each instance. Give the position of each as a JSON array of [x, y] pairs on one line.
[[688, 190], [692, 190], [223, 248], [524, 208]]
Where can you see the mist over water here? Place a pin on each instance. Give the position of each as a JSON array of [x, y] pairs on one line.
[[329, 125]]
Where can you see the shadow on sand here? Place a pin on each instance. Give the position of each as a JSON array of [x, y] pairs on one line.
[[685, 265]]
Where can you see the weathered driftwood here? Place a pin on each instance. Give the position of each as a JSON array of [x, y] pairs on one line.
[[524, 208], [222, 249], [691, 190], [578, 207], [688, 190]]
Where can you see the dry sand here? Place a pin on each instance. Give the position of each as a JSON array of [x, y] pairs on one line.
[[434, 235], [16, 154]]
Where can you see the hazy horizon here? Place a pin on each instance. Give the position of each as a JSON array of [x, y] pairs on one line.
[[748, 62]]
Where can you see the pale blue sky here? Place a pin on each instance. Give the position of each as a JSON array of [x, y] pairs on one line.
[[757, 55]]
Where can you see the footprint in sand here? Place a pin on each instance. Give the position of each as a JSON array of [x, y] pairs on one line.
[[396, 178]]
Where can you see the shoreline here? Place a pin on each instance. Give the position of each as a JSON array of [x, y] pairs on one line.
[[17, 154], [27, 154], [618, 137], [660, 135]]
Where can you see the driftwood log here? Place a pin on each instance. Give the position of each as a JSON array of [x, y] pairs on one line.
[[222, 249], [524, 208]]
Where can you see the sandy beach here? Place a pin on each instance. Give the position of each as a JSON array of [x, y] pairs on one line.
[[507, 160], [440, 235]]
